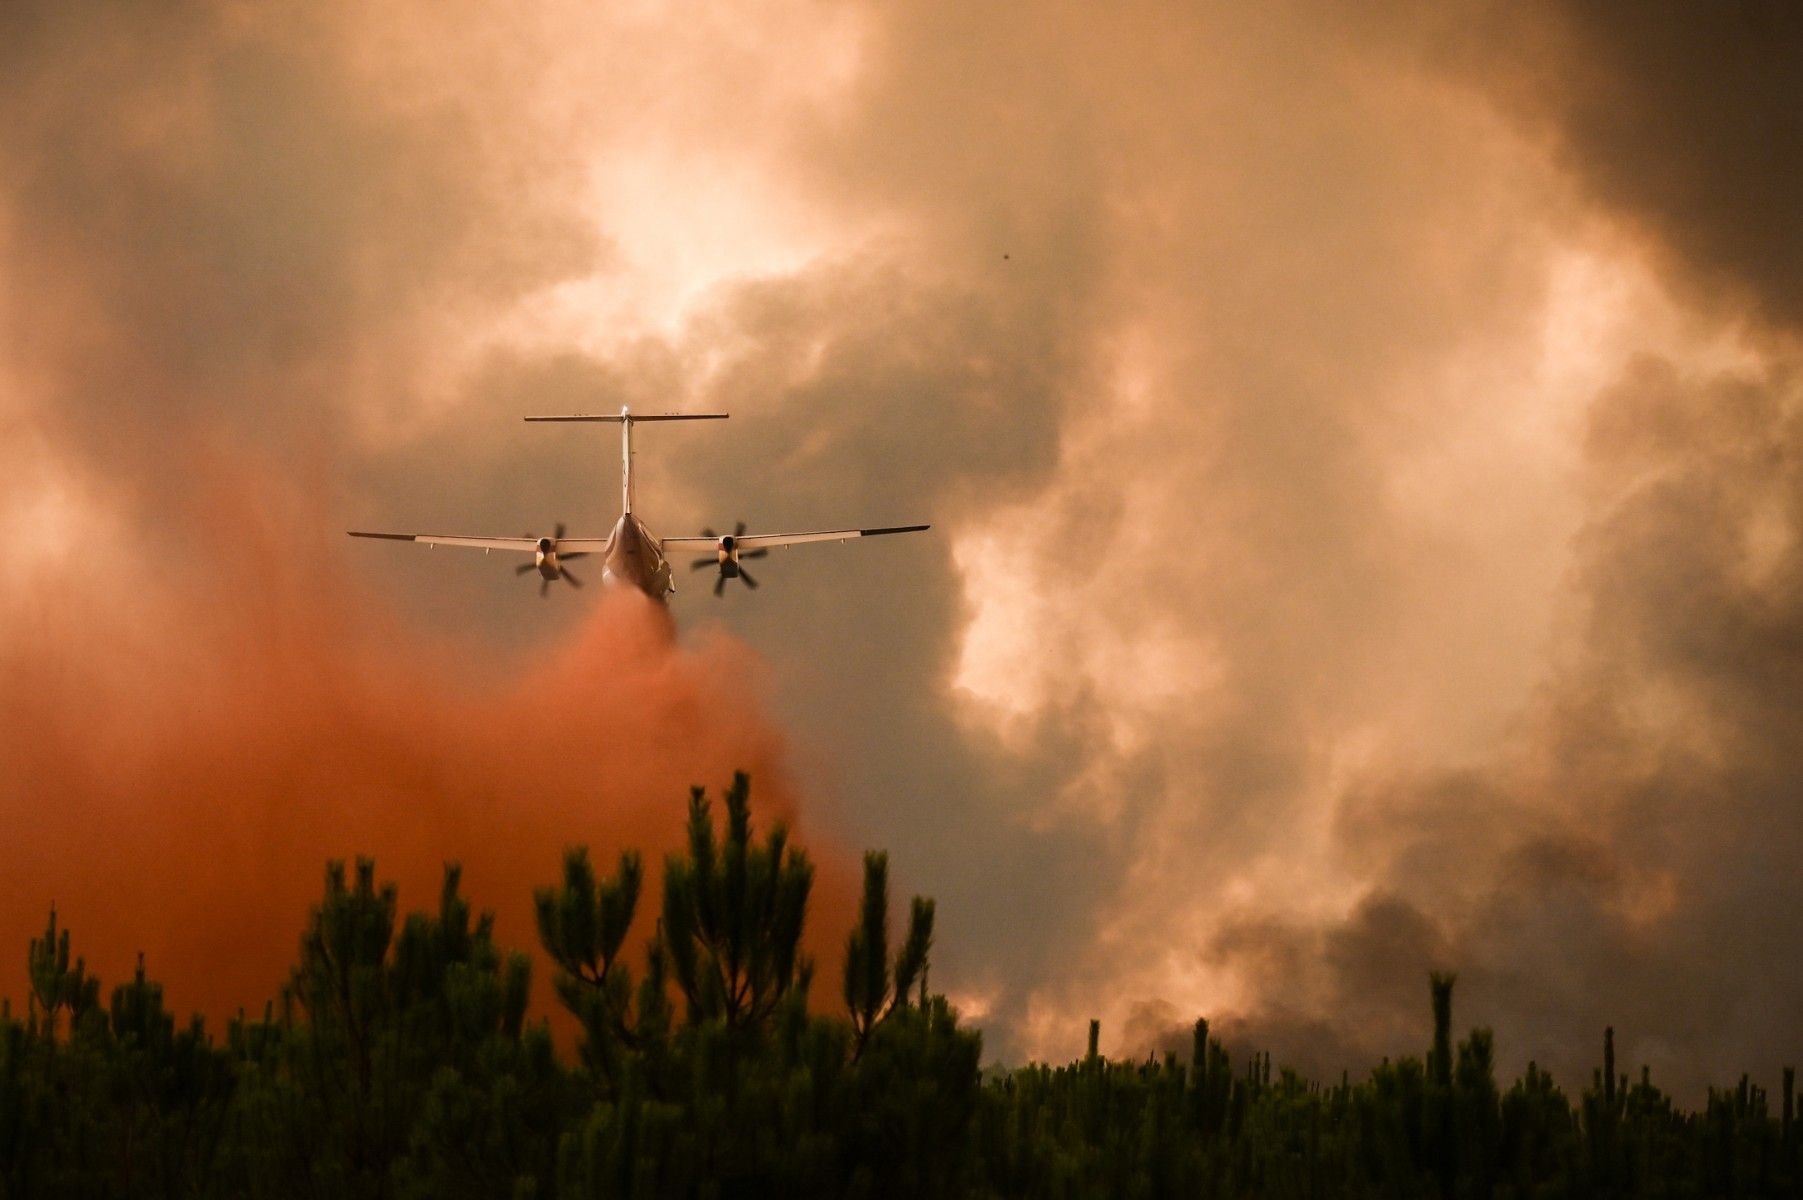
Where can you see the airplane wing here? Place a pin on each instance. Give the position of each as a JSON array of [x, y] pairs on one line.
[[526, 544], [753, 541]]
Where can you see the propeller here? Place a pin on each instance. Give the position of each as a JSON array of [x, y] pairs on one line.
[[720, 583], [732, 566], [549, 546]]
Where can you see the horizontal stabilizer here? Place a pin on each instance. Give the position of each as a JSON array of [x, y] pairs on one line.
[[616, 418]]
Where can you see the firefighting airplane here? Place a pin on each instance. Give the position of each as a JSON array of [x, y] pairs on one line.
[[631, 554]]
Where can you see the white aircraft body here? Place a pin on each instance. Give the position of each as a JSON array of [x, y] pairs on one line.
[[632, 555]]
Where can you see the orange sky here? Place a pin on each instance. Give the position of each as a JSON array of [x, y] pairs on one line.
[[1361, 452]]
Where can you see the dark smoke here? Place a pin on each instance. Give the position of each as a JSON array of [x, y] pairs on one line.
[[1629, 863], [1682, 118], [1625, 862]]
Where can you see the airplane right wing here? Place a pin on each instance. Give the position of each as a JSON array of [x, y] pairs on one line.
[[753, 541]]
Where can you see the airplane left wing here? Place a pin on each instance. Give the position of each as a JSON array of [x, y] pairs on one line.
[[753, 541], [525, 544]]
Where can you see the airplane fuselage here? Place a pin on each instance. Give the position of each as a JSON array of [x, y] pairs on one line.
[[634, 559]]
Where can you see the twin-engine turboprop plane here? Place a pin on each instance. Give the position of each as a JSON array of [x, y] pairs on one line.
[[632, 554]]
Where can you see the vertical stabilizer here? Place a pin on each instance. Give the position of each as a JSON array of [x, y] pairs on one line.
[[626, 461]]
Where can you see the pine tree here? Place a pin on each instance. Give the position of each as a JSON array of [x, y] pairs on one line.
[[1441, 1132], [733, 913], [54, 984], [1477, 1122], [873, 989], [583, 925], [170, 1087]]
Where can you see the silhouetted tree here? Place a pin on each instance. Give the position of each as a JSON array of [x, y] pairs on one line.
[[55, 985], [733, 913], [873, 988]]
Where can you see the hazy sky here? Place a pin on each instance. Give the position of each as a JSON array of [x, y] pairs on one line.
[[1363, 448]]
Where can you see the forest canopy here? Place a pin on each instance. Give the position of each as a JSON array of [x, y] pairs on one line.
[[399, 1061]]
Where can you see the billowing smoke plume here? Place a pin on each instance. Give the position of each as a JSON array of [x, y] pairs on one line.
[[1678, 119], [1621, 855], [1361, 447], [1614, 849]]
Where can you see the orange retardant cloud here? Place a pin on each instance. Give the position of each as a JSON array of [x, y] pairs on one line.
[[267, 236], [175, 780]]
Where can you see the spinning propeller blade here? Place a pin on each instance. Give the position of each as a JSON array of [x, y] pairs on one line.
[[731, 567], [544, 586]]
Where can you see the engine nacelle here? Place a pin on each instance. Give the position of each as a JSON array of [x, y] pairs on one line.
[[546, 558]]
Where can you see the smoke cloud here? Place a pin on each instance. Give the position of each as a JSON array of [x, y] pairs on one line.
[[1362, 451], [1674, 117]]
